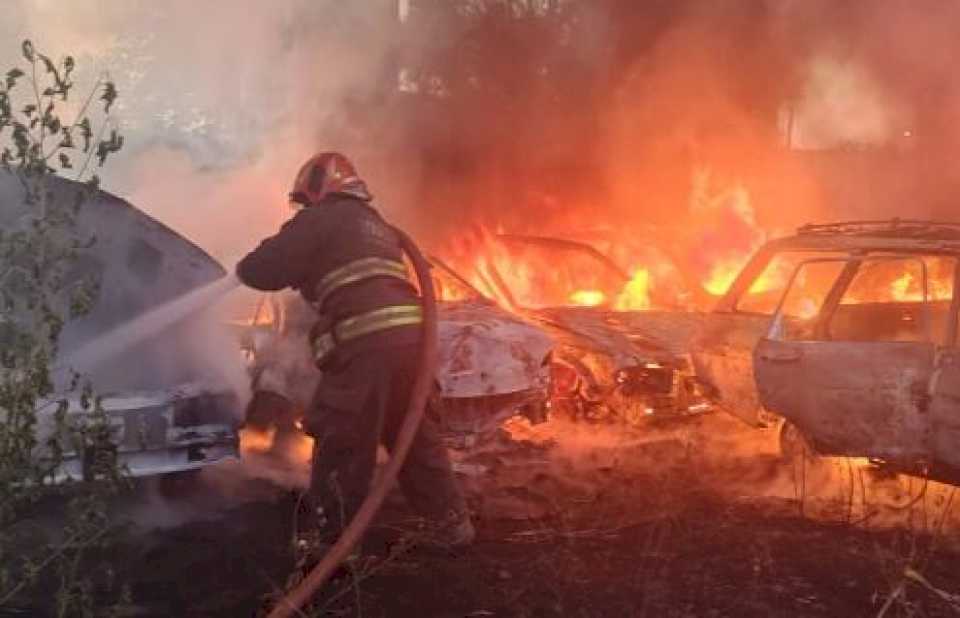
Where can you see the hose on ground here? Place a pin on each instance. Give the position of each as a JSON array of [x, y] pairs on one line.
[[295, 599]]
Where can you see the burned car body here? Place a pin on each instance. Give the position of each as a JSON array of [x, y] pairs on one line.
[[491, 366], [169, 409], [848, 331], [610, 361], [171, 431]]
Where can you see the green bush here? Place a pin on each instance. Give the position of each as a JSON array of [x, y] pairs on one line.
[[37, 298]]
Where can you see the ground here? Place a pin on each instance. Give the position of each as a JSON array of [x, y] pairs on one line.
[[698, 518]]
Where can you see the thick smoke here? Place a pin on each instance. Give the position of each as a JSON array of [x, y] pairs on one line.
[[561, 115], [220, 101]]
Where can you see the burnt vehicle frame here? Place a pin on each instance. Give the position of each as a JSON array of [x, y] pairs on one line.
[[628, 366], [168, 412], [884, 385], [492, 365]]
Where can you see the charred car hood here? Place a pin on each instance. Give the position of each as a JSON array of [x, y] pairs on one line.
[[482, 350], [486, 351], [627, 337], [140, 264]]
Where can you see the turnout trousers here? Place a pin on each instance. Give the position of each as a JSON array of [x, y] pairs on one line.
[[360, 404]]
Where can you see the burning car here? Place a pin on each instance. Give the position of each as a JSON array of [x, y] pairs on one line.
[[614, 358], [492, 365], [849, 332], [168, 408]]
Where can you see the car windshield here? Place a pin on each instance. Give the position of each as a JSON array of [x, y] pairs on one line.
[[536, 273]]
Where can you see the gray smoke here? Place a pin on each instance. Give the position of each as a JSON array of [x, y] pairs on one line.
[[222, 100]]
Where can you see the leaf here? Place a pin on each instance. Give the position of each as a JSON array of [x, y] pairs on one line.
[[86, 133], [109, 96], [28, 51], [68, 66], [109, 146], [12, 76]]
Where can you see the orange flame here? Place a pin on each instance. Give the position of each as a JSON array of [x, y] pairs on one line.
[[636, 294], [588, 298]]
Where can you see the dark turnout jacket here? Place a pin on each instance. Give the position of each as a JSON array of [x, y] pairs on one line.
[[322, 238]]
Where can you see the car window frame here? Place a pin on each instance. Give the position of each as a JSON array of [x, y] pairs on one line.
[[501, 285], [756, 267], [840, 287]]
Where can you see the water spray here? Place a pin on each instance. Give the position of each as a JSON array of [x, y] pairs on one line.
[[149, 324]]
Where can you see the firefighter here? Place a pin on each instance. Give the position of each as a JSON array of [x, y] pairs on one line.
[[340, 254]]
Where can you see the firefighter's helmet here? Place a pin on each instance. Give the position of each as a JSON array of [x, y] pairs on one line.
[[324, 174]]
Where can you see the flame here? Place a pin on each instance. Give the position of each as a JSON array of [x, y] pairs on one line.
[[728, 233], [909, 288], [588, 298], [256, 440], [636, 294], [297, 447], [901, 286], [722, 275], [665, 273]]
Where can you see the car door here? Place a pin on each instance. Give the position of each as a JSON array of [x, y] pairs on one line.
[[723, 360], [723, 350], [945, 387], [854, 375], [945, 411]]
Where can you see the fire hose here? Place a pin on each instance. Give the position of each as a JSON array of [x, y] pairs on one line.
[[295, 599]]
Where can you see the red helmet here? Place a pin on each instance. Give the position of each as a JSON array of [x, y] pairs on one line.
[[326, 173]]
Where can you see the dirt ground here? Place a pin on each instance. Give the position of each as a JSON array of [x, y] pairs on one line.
[[699, 518]]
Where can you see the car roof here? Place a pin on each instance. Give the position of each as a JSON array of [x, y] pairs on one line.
[[894, 235]]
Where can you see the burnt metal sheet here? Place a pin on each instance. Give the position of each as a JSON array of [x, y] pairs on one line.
[[862, 399], [627, 338], [722, 354], [672, 331], [155, 432], [141, 264], [171, 409], [945, 409], [483, 351]]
